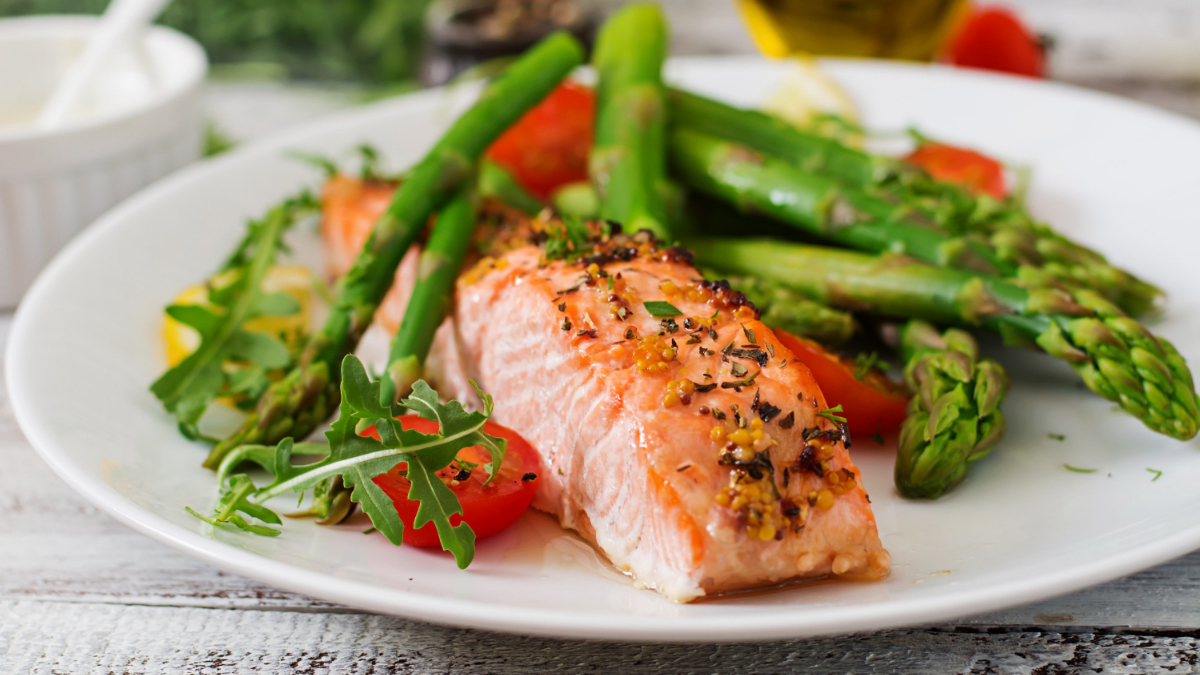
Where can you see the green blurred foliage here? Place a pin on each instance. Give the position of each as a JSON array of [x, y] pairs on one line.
[[371, 41]]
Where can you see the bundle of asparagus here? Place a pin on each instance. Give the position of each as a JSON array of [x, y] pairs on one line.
[[831, 187], [1114, 354]]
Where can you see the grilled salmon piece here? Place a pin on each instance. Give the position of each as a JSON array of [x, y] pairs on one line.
[[681, 438]]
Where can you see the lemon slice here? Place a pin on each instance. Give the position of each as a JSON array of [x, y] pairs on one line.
[[295, 280], [807, 97]]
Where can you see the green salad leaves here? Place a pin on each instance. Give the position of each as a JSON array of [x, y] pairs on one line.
[[359, 459], [231, 360]]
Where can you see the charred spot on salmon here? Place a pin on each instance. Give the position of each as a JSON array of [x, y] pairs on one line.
[[788, 422], [757, 355], [528, 477], [808, 461]]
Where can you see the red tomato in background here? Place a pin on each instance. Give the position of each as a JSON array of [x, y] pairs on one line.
[[548, 147], [487, 509], [870, 405], [993, 38], [976, 172]]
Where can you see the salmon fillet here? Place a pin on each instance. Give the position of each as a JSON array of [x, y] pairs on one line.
[[687, 448]]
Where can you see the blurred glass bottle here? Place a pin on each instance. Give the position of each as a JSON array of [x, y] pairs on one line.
[[896, 29]]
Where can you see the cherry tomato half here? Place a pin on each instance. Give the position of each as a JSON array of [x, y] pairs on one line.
[[548, 147], [487, 509], [993, 38], [870, 405], [976, 172]]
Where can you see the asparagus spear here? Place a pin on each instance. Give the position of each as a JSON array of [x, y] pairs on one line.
[[1114, 355], [438, 268], [954, 417], [817, 204], [1041, 254], [782, 307], [627, 163], [295, 405]]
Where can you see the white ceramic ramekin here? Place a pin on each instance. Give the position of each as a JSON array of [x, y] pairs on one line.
[[141, 122]]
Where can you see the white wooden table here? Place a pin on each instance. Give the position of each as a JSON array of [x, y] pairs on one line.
[[80, 593]]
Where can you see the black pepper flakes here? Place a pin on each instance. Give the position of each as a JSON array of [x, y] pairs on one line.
[[628, 333], [529, 476], [719, 414], [788, 422], [562, 306]]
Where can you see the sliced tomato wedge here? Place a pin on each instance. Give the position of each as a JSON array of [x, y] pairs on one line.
[[993, 38], [974, 171], [872, 404], [548, 147], [488, 509]]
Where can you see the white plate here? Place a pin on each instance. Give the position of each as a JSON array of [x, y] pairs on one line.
[[85, 346]]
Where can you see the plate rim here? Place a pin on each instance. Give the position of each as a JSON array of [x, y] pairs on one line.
[[944, 605]]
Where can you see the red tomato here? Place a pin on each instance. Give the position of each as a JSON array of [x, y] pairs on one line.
[[487, 509], [994, 38], [869, 405], [548, 147], [976, 172]]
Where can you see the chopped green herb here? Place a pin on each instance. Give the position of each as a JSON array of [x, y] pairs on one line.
[[661, 308], [1076, 469], [1057, 437], [369, 530], [1156, 472], [750, 335], [831, 414], [878, 435], [738, 384]]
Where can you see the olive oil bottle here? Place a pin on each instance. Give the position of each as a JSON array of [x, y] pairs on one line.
[[896, 29]]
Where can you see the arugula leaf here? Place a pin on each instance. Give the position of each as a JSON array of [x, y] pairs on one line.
[[438, 503], [236, 499], [186, 389], [661, 308], [359, 459]]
